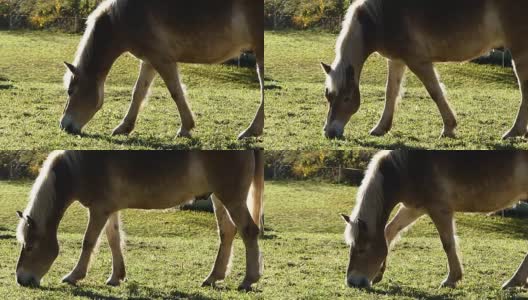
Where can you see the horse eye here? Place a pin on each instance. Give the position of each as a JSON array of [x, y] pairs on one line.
[[28, 248], [326, 93], [70, 92]]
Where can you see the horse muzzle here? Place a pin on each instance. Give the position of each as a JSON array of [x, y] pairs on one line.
[[358, 282], [67, 124], [334, 131], [27, 280]]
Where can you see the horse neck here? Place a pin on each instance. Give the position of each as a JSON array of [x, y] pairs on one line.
[[376, 203], [51, 196], [102, 48], [351, 49]]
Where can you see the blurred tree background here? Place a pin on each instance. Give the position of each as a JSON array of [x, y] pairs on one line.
[[68, 15], [305, 14], [332, 166]]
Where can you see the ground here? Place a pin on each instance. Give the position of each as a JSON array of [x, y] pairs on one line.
[[486, 99], [223, 98], [169, 252]]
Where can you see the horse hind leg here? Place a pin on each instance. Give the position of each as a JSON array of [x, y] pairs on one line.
[[113, 234], [519, 128], [249, 231], [143, 83], [257, 126], [520, 276], [226, 232], [95, 226], [169, 74], [394, 82], [428, 76]]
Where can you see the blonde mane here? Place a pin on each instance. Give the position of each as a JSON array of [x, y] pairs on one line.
[[42, 196], [370, 196], [350, 41], [85, 49]]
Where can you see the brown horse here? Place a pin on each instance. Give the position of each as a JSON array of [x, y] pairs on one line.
[[415, 34], [161, 33], [107, 182], [434, 183]]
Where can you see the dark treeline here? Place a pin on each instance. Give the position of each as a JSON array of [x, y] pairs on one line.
[[303, 14], [333, 166], [68, 15]]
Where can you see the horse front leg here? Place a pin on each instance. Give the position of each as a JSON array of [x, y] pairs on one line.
[[521, 122], [394, 83], [143, 83], [169, 74], [113, 234], [403, 219], [428, 76], [95, 226], [445, 224], [226, 233], [257, 126]]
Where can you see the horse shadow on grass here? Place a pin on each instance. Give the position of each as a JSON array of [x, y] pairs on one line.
[[409, 292], [133, 292], [174, 144]]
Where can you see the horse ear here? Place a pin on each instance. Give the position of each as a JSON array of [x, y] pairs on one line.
[[30, 221], [346, 218], [72, 68], [20, 214], [326, 68]]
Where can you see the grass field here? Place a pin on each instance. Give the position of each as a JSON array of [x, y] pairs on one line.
[[32, 98], [486, 99], [168, 253]]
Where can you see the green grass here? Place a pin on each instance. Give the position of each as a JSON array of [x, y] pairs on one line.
[[168, 253], [486, 99], [32, 98]]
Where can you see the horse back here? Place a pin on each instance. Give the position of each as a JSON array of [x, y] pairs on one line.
[[468, 181], [451, 29], [157, 180]]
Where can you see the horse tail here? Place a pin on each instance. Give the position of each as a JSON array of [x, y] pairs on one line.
[[255, 199]]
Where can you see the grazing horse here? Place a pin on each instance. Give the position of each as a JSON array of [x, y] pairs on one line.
[[434, 183], [107, 182], [161, 33], [415, 34]]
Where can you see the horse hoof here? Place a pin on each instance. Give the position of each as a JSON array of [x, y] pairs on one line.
[[69, 280], [245, 287], [448, 134], [249, 133], [183, 133], [123, 129], [113, 282], [511, 284], [448, 284], [208, 283], [378, 131], [513, 133]]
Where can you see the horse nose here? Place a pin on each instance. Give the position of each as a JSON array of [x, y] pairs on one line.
[[67, 125], [27, 281], [362, 282], [333, 133]]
